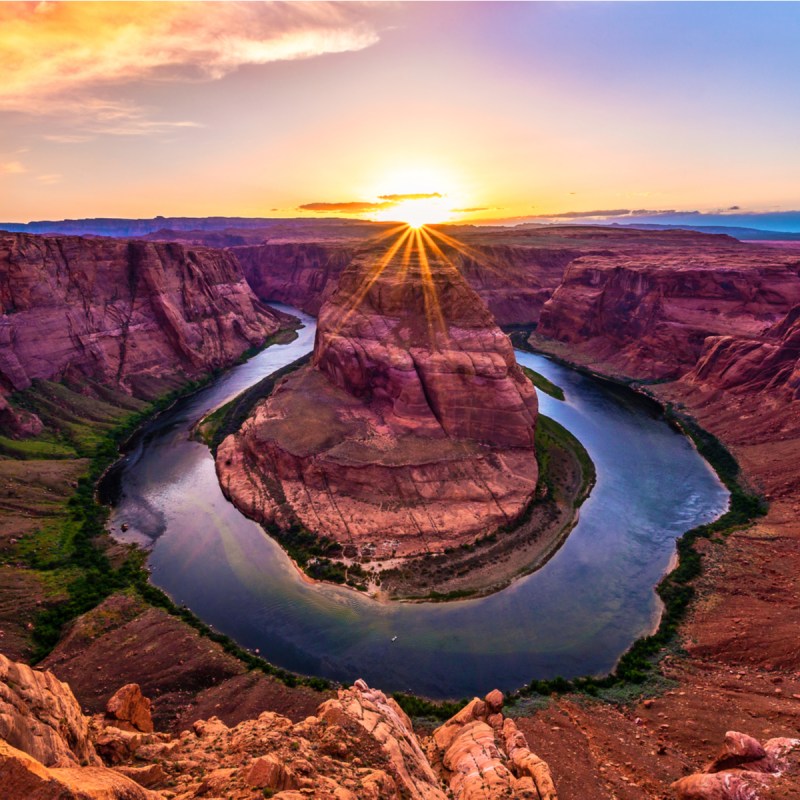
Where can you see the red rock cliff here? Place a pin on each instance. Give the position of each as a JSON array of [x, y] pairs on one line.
[[513, 281], [649, 314], [121, 311]]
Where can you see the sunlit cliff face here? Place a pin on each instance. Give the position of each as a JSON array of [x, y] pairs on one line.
[[414, 252]]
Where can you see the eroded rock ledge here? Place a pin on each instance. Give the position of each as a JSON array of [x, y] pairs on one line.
[[411, 432], [358, 746]]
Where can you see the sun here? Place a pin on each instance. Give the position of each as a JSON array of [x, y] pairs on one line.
[[417, 212]]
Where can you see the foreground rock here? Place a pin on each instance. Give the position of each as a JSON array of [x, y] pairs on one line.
[[743, 770], [484, 756], [130, 708], [413, 430], [39, 715], [358, 746]]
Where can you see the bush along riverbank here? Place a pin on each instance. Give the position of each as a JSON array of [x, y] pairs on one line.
[[636, 671], [96, 578]]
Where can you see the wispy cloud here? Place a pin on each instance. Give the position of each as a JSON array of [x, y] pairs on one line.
[[67, 138], [56, 58], [350, 207], [12, 167], [399, 198], [50, 178]]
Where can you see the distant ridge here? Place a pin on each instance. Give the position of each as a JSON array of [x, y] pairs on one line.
[[745, 234], [111, 226]]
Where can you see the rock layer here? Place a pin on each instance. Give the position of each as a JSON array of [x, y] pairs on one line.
[[513, 280], [412, 431], [121, 312], [750, 365], [647, 314]]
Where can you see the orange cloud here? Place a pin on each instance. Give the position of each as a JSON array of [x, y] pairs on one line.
[[53, 52], [354, 207], [11, 167]]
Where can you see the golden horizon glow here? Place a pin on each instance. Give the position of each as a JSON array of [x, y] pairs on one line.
[[361, 110], [416, 212]]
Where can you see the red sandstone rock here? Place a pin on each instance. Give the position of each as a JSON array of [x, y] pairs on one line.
[[40, 715], [738, 749], [412, 431], [719, 786], [647, 314], [484, 758], [129, 705], [749, 365], [121, 312], [743, 770], [379, 757], [22, 777], [513, 281]]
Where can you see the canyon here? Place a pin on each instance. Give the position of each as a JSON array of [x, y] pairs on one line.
[[702, 322], [411, 432]]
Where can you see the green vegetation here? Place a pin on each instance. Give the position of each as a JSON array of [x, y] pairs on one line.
[[420, 707], [554, 443], [544, 385], [635, 673], [227, 419], [67, 550]]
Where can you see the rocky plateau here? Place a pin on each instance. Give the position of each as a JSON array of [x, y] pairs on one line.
[[135, 315]]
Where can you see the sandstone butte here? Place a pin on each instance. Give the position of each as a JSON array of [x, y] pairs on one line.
[[411, 431], [135, 315]]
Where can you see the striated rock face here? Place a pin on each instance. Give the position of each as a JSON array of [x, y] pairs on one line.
[[300, 274], [749, 365], [483, 755], [412, 431], [22, 777], [743, 770], [128, 706], [513, 281], [648, 314], [39, 715], [388, 724], [121, 312]]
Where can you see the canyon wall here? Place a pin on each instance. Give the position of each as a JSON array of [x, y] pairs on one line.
[[121, 312], [299, 274], [649, 314], [513, 281]]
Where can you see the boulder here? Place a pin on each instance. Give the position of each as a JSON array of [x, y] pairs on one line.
[[129, 705]]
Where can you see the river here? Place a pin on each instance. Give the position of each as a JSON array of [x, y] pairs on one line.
[[574, 616]]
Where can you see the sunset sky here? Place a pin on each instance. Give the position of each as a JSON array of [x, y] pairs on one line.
[[497, 111]]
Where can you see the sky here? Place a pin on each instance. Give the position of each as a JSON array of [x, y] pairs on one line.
[[458, 111]]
